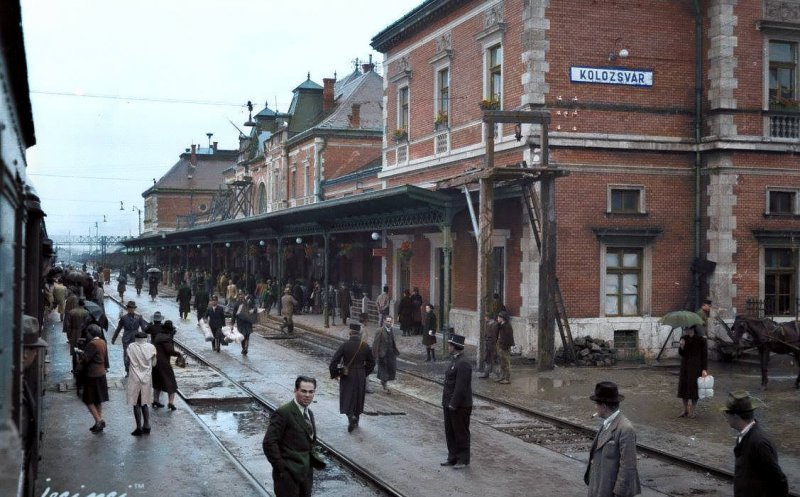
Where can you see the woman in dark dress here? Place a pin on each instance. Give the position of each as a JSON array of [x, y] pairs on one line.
[[152, 281], [694, 363], [95, 388], [201, 303], [356, 355], [163, 375], [405, 313], [429, 332]]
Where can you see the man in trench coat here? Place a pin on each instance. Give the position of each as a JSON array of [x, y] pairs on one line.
[[611, 471], [384, 348], [356, 355]]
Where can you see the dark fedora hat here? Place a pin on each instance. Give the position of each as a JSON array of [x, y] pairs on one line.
[[130, 305], [30, 337], [140, 334], [504, 315], [607, 391], [355, 329], [456, 341], [738, 402]]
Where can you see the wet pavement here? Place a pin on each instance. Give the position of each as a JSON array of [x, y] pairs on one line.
[[402, 432]]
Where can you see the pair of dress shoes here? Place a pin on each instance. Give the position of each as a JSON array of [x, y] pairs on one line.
[[98, 426], [455, 465]]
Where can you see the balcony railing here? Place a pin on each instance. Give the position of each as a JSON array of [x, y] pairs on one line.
[[785, 126]]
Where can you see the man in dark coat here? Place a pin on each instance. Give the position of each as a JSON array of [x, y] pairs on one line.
[[215, 316], [385, 351], [184, 300], [288, 305], [201, 302], [356, 356], [491, 345], [457, 404], [756, 471], [405, 313], [289, 443], [246, 317], [129, 324], [345, 301], [505, 340]]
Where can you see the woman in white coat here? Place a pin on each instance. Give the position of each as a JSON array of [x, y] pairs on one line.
[[142, 357]]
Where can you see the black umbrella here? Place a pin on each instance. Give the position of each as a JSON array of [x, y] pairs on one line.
[[97, 313], [153, 270]]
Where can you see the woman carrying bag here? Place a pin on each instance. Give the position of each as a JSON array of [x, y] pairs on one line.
[[163, 374], [694, 364]]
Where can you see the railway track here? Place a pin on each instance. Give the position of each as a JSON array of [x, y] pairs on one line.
[[557, 434], [560, 435]]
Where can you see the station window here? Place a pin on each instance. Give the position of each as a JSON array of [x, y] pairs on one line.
[[623, 281], [625, 199], [443, 96], [783, 75], [495, 73], [402, 109], [780, 274], [782, 201]]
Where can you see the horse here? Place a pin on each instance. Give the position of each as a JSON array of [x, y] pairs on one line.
[[769, 336]]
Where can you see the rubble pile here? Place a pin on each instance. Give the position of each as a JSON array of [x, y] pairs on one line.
[[592, 352]]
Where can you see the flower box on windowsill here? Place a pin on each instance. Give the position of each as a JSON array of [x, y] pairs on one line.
[[490, 104], [400, 135]]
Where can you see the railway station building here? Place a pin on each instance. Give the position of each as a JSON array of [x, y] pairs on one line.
[[675, 125]]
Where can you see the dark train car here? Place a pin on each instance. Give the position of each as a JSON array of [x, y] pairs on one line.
[[25, 254]]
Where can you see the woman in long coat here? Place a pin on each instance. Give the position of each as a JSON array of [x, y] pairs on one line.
[[95, 388], [356, 355], [152, 281], [405, 313], [694, 363], [163, 375], [429, 332]]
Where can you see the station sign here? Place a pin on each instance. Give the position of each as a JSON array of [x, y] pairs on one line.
[[611, 76], [379, 252]]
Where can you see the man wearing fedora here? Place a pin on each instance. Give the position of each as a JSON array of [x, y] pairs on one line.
[[288, 306], [457, 404], [756, 471], [505, 340], [705, 313], [130, 323], [612, 469], [215, 317]]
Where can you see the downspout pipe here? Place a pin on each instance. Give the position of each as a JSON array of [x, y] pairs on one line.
[[698, 128], [319, 146]]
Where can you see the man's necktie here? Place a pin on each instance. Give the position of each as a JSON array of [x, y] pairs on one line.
[[308, 420]]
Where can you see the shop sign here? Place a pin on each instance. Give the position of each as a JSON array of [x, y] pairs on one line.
[[611, 76]]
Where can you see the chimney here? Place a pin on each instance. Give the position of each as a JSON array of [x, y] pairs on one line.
[[214, 149], [327, 94], [355, 116], [365, 68], [193, 158]]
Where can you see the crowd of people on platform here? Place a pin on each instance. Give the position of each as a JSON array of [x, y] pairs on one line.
[[291, 435]]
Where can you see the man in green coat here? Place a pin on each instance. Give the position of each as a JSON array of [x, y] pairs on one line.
[[289, 442]]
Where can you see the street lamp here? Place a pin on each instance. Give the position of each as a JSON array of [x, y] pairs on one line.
[[139, 224]]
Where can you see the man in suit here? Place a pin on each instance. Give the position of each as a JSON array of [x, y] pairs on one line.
[[288, 305], [215, 316], [756, 471], [457, 404], [289, 442], [611, 471]]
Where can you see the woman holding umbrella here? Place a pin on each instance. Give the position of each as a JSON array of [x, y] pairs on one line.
[[694, 364], [152, 280]]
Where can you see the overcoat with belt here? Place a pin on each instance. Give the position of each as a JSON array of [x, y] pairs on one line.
[[352, 388], [288, 444], [612, 461]]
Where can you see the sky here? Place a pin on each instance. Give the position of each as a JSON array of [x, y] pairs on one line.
[[120, 88]]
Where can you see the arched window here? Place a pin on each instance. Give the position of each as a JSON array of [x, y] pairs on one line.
[[262, 198]]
